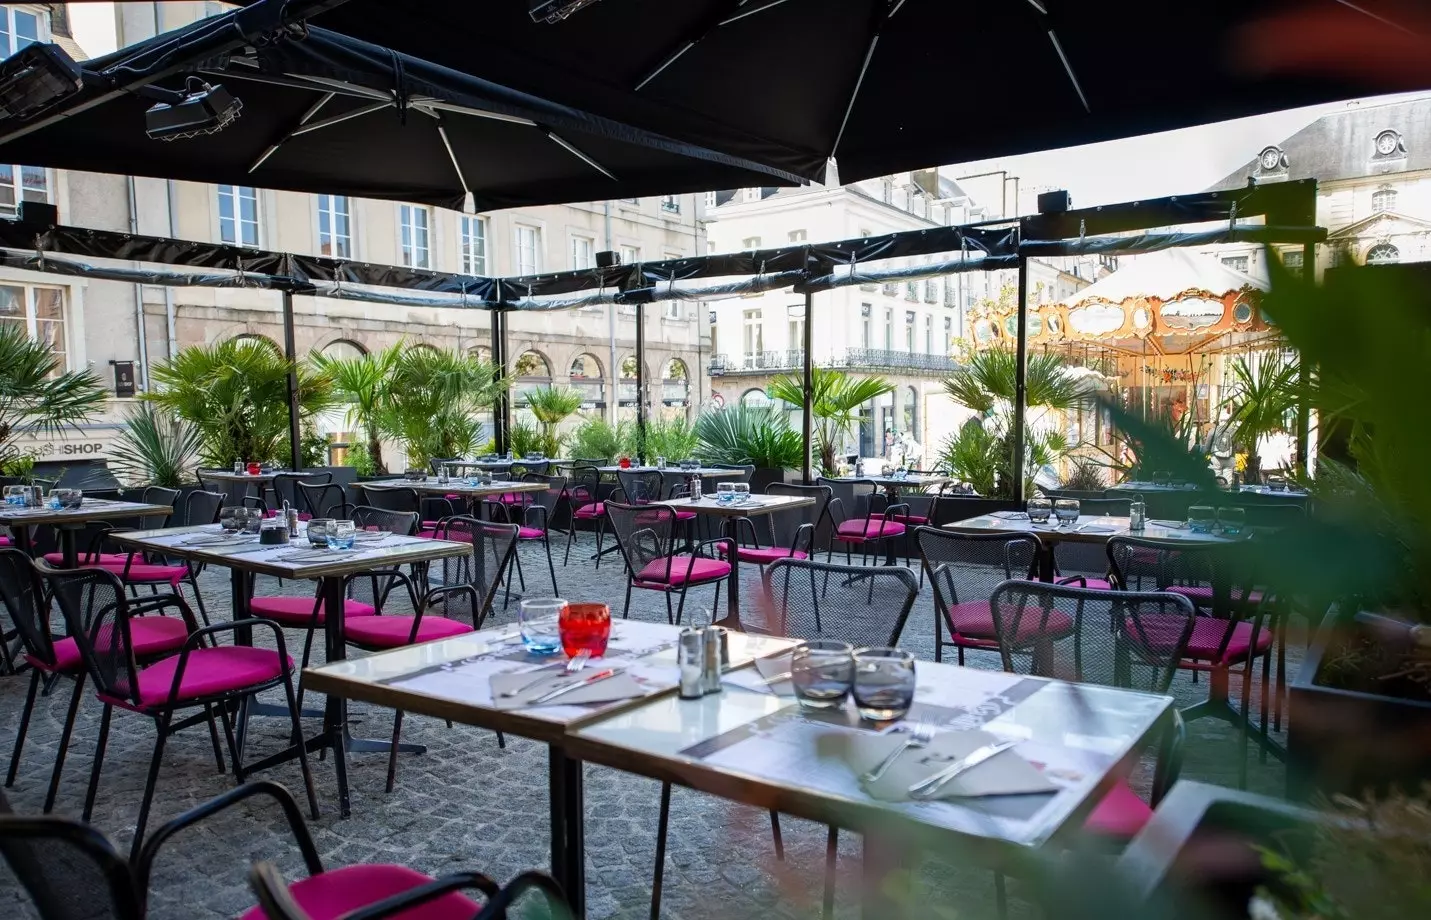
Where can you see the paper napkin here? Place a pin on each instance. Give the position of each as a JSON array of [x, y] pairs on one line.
[[530, 686], [1005, 773], [759, 677], [1096, 528]]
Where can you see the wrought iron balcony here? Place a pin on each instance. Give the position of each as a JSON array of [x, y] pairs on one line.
[[886, 359], [769, 362]]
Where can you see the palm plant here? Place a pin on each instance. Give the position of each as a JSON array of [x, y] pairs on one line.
[[364, 384], [834, 407], [1264, 401], [552, 406], [35, 396], [236, 394], [598, 439], [750, 434], [432, 398], [156, 448], [987, 381], [671, 438]]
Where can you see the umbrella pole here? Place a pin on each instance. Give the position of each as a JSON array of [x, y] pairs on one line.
[[1304, 377], [501, 407], [807, 381], [290, 353], [641, 383], [1021, 383]]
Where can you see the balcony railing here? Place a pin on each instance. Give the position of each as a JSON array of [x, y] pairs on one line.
[[768, 362], [899, 360]]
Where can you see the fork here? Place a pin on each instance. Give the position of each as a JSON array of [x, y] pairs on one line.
[[577, 662], [919, 736]]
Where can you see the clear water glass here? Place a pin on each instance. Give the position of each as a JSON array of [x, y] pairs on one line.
[[1201, 518], [660, 463], [539, 620], [52, 501], [71, 498], [342, 535], [318, 531], [230, 519], [239, 467], [725, 493], [1231, 521], [252, 520], [14, 495], [741, 491], [884, 683], [822, 672], [1067, 511], [1039, 509]]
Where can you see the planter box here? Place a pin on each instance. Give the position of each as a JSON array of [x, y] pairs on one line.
[[1349, 740]]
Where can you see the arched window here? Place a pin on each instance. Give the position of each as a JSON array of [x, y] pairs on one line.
[[675, 383], [480, 352], [1383, 254], [626, 386], [588, 379], [533, 364], [586, 367], [262, 339], [344, 350], [755, 397], [1383, 199]]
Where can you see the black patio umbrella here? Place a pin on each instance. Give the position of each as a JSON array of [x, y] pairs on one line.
[[324, 113], [881, 85]]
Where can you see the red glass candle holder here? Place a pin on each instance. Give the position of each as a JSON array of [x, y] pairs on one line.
[[625, 463], [254, 469], [584, 627]]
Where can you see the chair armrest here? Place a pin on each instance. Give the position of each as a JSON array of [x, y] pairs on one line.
[[807, 531], [498, 904], [730, 546], [301, 835], [831, 507], [436, 593], [144, 605], [535, 507], [422, 894], [899, 508], [197, 637]]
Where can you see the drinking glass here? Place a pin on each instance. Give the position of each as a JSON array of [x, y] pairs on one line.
[[71, 498], [884, 683], [584, 627], [252, 519], [1161, 478], [1276, 484], [741, 492], [238, 467], [1066, 510], [1201, 518], [342, 535], [539, 620], [231, 520], [318, 531], [822, 672], [14, 495], [53, 501], [725, 493], [660, 463], [1231, 520], [1039, 509]]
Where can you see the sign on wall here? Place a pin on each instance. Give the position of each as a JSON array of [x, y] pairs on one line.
[[124, 386]]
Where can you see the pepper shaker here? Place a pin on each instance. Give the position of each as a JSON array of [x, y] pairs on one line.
[[290, 516], [690, 661], [1137, 514], [715, 654]]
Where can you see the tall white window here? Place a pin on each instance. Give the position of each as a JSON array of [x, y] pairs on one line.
[[40, 311], [415, 228], [670, 204], [335, 226], [630, 255], [529, 244], [798, 236], [750, 242], [238, 215], [20, 28], [754, 333], [22, 183], [711, 200], [909, 332], [866, 335], [675, 310], [474, 245], [948, 334], [889, 330], [1383, 199], [583, 252], [929, 335]]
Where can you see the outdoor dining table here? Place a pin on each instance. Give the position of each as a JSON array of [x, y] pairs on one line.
[[703, 472], [450, 679], [751, 746], [253, 558], [1129, 489], [70, 521], [753, 506], [472, 493], [893, 484]]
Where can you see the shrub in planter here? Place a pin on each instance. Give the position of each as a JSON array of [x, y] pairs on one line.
[[758, 435]]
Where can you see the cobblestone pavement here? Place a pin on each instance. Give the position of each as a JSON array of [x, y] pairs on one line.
[[466, 804]]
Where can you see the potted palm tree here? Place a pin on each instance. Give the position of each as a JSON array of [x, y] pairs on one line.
[[37, 397], [1263, 403], [551, 406], [433, 397], [834, 408], [364, 384], [758, 435]]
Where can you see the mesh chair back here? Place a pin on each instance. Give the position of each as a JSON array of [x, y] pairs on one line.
[[437, 463], [1114, 638], [643, 532], [850, 500], [285, 485], [747, 471], [493, 548], [398, 522], [203, 507], [23, 596], [96, 616], [405, 500], [783, 526], [69, 870], [638, 487], [157, 495], [861, 605], [1088, 559], [1222, 570], [1272, 512], [323, 501], [966, 568], [583, 483], [524, 467], [547, 501]]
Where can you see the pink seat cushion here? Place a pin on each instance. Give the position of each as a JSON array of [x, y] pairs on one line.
[[298, 611], [151, 636], [209, 672], [337, 892], [4, 541], [765, 555], [530, 533], [975, 620], [685, 515], [85, 559], [588, 512], [145, 573], [1120, 815], [1207, 635], [1083, 581], [1201, 595], [702, 570], [513, 498], [862, 530], [395, 632], [427, 533], [911, 520]]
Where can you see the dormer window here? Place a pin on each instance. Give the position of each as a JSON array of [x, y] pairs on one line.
[[1383, 199]]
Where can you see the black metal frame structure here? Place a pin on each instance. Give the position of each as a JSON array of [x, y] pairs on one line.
[[1286, 213]]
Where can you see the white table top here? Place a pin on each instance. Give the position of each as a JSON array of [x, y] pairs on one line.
[[756, 504], [90, 509], [761, 748], [1092, 529], [230, 476]]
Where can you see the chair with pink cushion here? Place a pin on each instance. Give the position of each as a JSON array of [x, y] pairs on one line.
[[534, 519], [860, 517], [583, 497], [99, 617], [788, 534], [646, 535], [964, 569], [1085, 565], [23, 597]]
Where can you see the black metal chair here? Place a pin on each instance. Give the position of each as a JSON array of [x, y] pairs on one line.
[[100, 618], [1085, 565], [324, 501], [285, 487], [858, 518], [584, 499], [203, 507], [646, 534], [534, 519], [964, 569], [788, 534], [747, 471], [236, 493]]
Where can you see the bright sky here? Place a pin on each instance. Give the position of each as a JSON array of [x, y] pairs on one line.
[[93, 27]]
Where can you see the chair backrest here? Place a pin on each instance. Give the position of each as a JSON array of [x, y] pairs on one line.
[[23, 595], [1223, 570], [1114, 638], [436, 463], [366, 517], [523, 467], [642, 531], [202, 507], [1089, 559], [158, 495], [1264, 511], [285, 485], [1112, 507], [69, 869], [583, 484], [861, 605], [493, 548], [747, 470], [638, 487], [323, 501], [556, 486], [850, 499], [783, 526], [965, 568], [404, 499], [96, 616]]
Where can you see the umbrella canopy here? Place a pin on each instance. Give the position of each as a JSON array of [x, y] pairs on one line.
[[329, 114], [882, 86]]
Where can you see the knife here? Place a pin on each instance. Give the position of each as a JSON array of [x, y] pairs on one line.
[[928, 788], [599, 675]]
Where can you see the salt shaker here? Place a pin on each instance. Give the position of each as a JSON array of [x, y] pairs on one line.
[[696, 492], [716, 653], [690, 661], [290, 516], [1137, 514]]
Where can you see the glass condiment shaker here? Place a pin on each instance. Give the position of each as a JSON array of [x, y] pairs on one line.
[[1137, 514]]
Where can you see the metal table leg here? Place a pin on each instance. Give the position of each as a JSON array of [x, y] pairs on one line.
[[568, 831]]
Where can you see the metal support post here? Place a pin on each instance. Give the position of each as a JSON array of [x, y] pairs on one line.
[[1304, 377], [290, 353], [1021, 388], [641, 383], [501, 408], [807, 371]]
